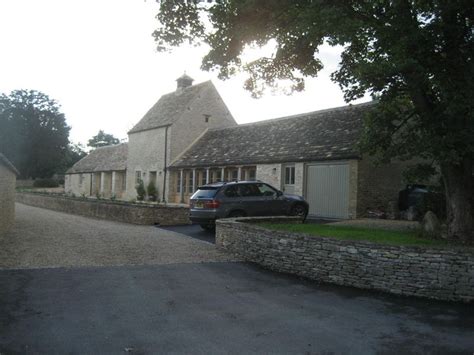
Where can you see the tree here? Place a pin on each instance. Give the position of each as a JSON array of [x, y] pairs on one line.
[[33, 132], [414, 56], [102, 139], [74, 153]]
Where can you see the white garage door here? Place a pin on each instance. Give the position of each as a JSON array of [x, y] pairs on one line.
[[327, 190]]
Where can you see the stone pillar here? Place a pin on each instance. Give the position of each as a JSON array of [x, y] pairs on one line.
[[181, 186], [239, 174], [102, 182], [194, 180], [207, 175], [222, 174], [113, 184]]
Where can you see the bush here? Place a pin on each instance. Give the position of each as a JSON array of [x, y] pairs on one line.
[[140, 191], [152, 191], [45, 183]]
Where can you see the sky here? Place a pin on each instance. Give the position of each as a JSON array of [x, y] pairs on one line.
[[98, 60]]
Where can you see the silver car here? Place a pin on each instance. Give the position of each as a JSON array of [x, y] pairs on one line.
[[242, 198]]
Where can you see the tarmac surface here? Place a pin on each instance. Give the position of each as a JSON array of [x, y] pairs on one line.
[[210, 307]]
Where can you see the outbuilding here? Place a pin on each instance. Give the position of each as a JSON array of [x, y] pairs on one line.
[[8, 174]]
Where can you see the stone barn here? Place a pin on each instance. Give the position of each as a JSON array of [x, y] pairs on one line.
[[8, 175]]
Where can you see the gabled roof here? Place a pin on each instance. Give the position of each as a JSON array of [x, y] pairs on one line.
[[170, 107], [321, 135], [108, 158], [5, 162]]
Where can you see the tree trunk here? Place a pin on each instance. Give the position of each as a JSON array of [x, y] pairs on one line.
[[458, 181]]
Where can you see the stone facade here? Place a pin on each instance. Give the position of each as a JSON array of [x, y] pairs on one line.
[[378, 185], [146, 156], [7, 197], [110, 210], [438, 273]]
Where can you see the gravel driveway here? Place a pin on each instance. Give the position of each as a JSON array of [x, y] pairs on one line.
[[43, 238]]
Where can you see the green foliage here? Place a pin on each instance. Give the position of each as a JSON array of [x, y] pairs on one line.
[[102, 139], [414, 58], [74, 153], [33, 133], [381, 236], [152, 192], [140, 191], [47, 182]]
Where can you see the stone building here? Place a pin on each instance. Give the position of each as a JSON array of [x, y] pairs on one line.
[[313, 154], [8, 175], [189, 138], [100, 173]]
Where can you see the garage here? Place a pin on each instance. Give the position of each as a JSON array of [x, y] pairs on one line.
[[327, 189]]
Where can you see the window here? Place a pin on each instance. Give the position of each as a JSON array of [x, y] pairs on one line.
[[250, 174], [206, 118], [231, 191], [203, 177], [152, 177], [138, 177], [266, 190], [81, 179], [215, 175], [290, 175], [178, 182], [190, 182], [250, 190]]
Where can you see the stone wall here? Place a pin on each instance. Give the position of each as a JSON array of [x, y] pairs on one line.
[[111, 210], [438, 273], [270, 173], [378, 185], [7, 199]]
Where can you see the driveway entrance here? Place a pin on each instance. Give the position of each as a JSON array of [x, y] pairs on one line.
[[199, 303]]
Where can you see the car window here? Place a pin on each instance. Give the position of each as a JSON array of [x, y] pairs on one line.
[[205, 192], [249, 190], [266, 190], [231, 191]]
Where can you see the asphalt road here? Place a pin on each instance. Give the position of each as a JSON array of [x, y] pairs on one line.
[[72, 285], [193, 231], [215, 308]]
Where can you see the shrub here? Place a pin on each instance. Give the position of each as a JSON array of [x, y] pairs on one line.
[[140, 191], [152, 192], [45, 183]]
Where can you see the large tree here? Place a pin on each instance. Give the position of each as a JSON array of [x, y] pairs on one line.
[[414, 56], [33, 133], [102, 139]]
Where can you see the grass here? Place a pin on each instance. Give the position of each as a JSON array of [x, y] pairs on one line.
[[381, 236]]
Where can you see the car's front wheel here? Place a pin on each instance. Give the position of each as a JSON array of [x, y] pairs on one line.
[[299, 210]]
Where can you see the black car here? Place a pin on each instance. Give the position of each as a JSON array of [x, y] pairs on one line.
[[242, 198]]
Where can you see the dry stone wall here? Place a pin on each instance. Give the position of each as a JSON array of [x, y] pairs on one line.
[[438, 273], [110, 210]]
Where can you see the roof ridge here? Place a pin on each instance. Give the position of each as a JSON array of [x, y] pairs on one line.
[[109, 146], [277, 119]]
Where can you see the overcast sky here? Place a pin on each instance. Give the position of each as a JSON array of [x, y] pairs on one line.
[[97, 58]]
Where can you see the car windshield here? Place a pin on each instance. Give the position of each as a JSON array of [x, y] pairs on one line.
[[205, 192]]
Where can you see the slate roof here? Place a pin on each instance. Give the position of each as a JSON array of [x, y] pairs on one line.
[[5, 162], [108, 158], [321, 135], [170, 107]]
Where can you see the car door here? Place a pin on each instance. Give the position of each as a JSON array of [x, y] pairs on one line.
[[273, 203], [252, 201]]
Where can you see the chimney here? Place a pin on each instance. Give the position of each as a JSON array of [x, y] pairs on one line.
[[184, 81]]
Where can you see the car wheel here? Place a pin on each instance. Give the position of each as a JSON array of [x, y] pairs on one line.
[[298, 210], [208, 227], [236, 214]]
